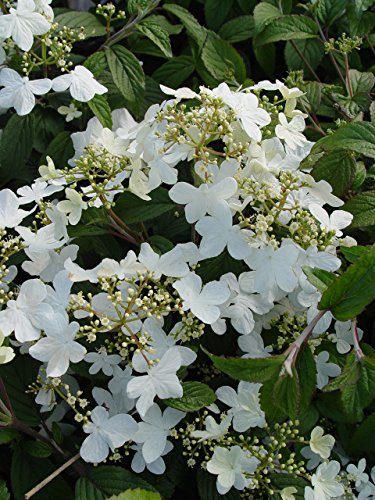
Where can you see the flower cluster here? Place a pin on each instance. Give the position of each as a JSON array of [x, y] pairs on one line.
[[229, 165]]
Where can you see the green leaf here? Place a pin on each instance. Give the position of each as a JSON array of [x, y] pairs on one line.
[[135, 6], [107, 480], [312, 51], [251, 369], [362, 84], [128, 75], [338, 169], [355, 136], [195, 397], [320, 278], [174, 72], [329, 10], [353, 290], [238, 29], [7, 435], [16, 144], [60, 149], [48, 123], [362, 207], [171, 29], [287, 394], [291, 27], [74, 19], [37, 449], [222, 60], [264, 14], [96, 63], [281, 481], [4, 492], [351, 254], [266, 57], [100, 107], [197, 32], [158, 35], [132, 209], [136, 494], [360, 442], [216, 11]]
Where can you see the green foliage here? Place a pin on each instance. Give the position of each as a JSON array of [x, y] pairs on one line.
[[196, 396], [76, 19], [136, 494], [133, 209]]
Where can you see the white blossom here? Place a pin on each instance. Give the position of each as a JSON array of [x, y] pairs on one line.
[[81, 84]]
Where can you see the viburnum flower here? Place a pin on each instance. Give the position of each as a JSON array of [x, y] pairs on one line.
[[290, 132], [324, 369], [203, 199], [172, 263], [47, 264], [22, 23], [213, 429], [358, 474], [10, 213], [139, 464], [26, 315], [218, 232], [73, 206], [203, 301], [253, 346], [161, 380], [59, 347], [338, 220], [81, 84], [245, 405], [36, 192], [231, 465], [343, 338], [153, 431], [102, 361], [6, 353], [182, 93], [43, 240], [106, 433], [70, 112], [113, 403], [320, 443], [19, 92], [325, 483]]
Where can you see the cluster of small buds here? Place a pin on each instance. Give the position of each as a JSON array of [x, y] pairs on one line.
[[108, 11], [198, 129], [99, 168], [289, 328], [343, 44], [56, 46], [191, 327], [9, 245]]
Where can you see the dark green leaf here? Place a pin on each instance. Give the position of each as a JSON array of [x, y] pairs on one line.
[[222, 60], [338, 169], [320, 278], [174, 72], [291, 27], [196, 396], [264, 14], [136, 494], [362, 207], [96, 63], [60, 149], [132, 209], [297, 52], [353, 290], [37, 449], [100, 107], [158, 35], [238, 29], [329, 10], [16, 144], [192, 26], [351, 254], [74, 19], [251, 370], [7, 435], [360, 442], [216, 11], [127, 73]]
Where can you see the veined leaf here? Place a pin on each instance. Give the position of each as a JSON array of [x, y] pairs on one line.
[[196, 396], [158, 35], [291, 27]]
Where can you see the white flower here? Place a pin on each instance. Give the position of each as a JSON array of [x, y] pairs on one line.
[[155, 429], [339, 219], [22, 23], [172, 263], [290, 132], [26, 315], [10, 213], [18, 91], [253, 346], [245, 406], [6, 353], [344, 336], [218, 232], [161, 380], [102, 361], [106, 433], [358, 474], [325, 369], [313, 458], [202, 302], [126, 268], [203, 199], [326, 485], [70, 112], [138, 464], [59, 347], [81, 83], [274, 267], [320, 443], [213, 429], [36, 192], [288, 493], [72, 206], [113, 403], [182, 93], [47, 264], [41, 241], [245, 106], [231, 465]]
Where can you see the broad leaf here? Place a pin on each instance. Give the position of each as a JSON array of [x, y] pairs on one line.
[[136, 494], [222, 60], [74, 19], [132, 209], [196, 396], [320, 278], [264, 14], [216, 11], [60, 149], [100, 107], [158, 35], [362, 207], [238, 29], [288, 28], [174, 72], [197, 32], [338, 169]]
